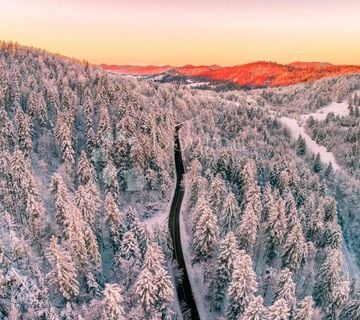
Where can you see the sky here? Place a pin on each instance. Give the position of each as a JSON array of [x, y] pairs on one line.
[[178, 32]]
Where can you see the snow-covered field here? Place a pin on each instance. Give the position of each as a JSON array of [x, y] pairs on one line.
[[297, 130], [339, 109]]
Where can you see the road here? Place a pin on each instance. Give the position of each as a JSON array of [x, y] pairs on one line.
[[183, 289]]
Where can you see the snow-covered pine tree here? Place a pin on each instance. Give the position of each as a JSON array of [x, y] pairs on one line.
[[243, 286], [249, 189], [104, 139], [267, 202], [294, 252], [22, 132], [275, 228], [247, 231], [110, 178], [351, 310], [129, 249], [205, 235], [328, 277], [86, 204], [230, 216], [340, 296], [115, 220], [63, 134], [304, 310], [317, 164], [153, 287], [255, 310], [63, 272], [223, 270], [85, 170], [332, 237], [285, 288], [217, 195], [330, 211], [301, 146], [278, 311], [113, 302]]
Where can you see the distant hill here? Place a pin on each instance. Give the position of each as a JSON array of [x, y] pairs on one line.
[[256, 74]]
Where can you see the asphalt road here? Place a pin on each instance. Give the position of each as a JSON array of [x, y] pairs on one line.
[[183, 289]]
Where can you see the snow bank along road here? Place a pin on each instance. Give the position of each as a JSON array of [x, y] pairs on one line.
[[183, 289]]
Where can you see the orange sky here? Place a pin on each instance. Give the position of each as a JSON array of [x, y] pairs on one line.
[[178, 32]]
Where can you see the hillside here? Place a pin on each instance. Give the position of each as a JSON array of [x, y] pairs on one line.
[[257, 74], [87, 175]]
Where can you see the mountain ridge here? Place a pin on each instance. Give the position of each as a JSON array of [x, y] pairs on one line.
[[256, 74]]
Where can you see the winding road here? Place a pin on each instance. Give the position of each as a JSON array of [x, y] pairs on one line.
[[183, 289]]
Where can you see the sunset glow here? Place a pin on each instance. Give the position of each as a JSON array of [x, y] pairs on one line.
[[198, 32]]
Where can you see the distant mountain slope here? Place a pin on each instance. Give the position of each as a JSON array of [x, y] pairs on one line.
[[255, 74]]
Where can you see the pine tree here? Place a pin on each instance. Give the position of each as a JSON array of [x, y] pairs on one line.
[[315, 226], [278, 311], [304, 311], [195, 181], [340, 297], [205, 236], [328, 277], [115, 221], [317, 165], [110, 178], [217, 195], [230, 214], [242, 287], [292, 216], [113, 302], [141, 235], [249, 189], [63, 134], [63, 271], [248, 229], [267, 202], [294, 249], [275, 228], [332, 237], [74, 230], [153, 287], [129, 249], [104, 135], [301, 146], [285, 287], [146, 291], [85, 170], [254, 310], [350, 311], [92, 248], [223, 270], [22, 132], [86, 204], [330, 211]]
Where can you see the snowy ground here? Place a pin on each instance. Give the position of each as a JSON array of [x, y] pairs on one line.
[[339, 109], [297, 130]]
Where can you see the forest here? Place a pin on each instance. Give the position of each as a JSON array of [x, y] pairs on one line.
[[87, 174]]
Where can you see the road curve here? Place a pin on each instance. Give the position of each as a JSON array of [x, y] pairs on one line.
[[183, 289]]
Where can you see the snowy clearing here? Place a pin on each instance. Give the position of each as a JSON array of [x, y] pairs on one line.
[[297, 130]]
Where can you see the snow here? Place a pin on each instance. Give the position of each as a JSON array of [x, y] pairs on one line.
[[339, 109], [297, 130], [198, 84]]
